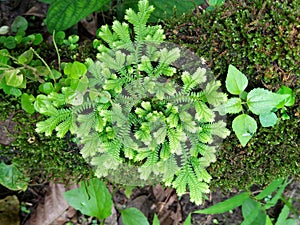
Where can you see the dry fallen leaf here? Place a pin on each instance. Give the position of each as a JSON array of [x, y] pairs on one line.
[[54, 210], [9, 211]]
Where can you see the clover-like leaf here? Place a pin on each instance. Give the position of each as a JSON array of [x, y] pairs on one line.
[[244, 127], [236, 81], [261, 101]]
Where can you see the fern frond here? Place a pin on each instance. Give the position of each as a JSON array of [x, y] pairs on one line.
[[122, 30], [105, 164], [212, 95], [50, 124], [105, 34], [91, 145], [203, 113]]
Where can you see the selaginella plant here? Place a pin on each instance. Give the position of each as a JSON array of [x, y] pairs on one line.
[[259, 101], [137, 117]]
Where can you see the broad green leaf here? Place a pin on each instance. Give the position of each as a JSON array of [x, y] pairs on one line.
[[226, 205], [64, 14], [133, 216], [10, 90], [10, 42], [262, 101], [291, 222], [13, 77], [25, 57], [75, 70], [268, 220], [268, 119], [249, 206], [281, 220], [188, 220], [38, 39], [46, 87], [244, 127], [12, 178], [233, 105], [3, 58], [27, 103], [236, 81], [291, 99], [270, 189], [276, 197], [155, 220], [163, 9], [253, 213], [19, 25], [92, 199]]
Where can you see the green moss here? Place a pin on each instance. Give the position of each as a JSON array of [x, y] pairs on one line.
[[261, 38], [272, 152], [41, 158]]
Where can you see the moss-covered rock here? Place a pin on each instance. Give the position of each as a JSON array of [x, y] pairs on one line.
[[39, 157], [261, 38]]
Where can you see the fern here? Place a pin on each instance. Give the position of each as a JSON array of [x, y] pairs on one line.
[[135, 113]]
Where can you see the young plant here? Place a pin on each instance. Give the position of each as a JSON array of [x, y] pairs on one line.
[[259, 101], [254, 206], [135, 113], [92, 198]]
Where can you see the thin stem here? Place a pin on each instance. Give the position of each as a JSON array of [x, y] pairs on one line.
[[56, 49], [48, 68]]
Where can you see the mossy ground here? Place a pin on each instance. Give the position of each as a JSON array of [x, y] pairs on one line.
[[40, 158]]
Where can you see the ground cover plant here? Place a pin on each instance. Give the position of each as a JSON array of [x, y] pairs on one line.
[[137, 114]]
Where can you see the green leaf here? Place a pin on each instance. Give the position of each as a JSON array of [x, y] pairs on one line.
[[75, 70], [25, 57], [252, 213], [92, 199], [188, 220], [13, 77], [64, 14], [10, 90], [38, 39], [270, 189], [155, 220], [19, 25], [27, 103], [236, 81], [281, 220], [262, 101], [268, 119], [233, 105], [276, 197], [226, 205], [10, 42], [12, 178], [133, 216], [290, 101], [4, 30], [46, 88], [3, 57], [268, 221], [244, 127]]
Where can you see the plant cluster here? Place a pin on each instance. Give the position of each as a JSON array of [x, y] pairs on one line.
[[127, 109]]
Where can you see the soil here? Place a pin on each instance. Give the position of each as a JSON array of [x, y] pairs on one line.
[[155, 199]]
